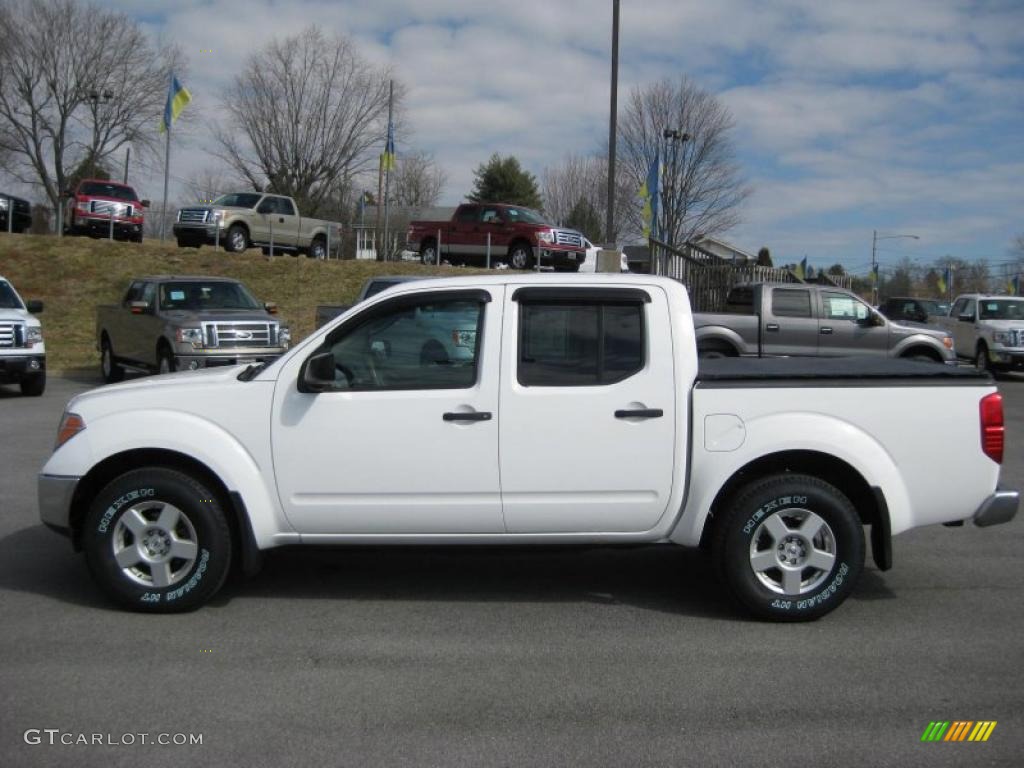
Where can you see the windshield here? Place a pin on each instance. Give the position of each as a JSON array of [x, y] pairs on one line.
[[8, 298], [238, 200], [200, 295], [1001, 309], [525, 215], [107, 189]]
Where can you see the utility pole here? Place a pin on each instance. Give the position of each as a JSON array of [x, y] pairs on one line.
[[609, 227], [874, 264]]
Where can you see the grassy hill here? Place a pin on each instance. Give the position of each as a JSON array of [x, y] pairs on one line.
[[72, 275]]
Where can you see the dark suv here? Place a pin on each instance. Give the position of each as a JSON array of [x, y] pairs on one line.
[[914, 310], [22, 213]]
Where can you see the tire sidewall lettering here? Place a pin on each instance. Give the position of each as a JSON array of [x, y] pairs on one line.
[[111, 511]]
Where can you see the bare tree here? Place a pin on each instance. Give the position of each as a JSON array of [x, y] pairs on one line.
[[584, 177], [305, 112], [79, 84], [702, 189], [417, 181], [206, 185]]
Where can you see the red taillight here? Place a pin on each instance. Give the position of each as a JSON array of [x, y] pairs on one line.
[[993, 433]]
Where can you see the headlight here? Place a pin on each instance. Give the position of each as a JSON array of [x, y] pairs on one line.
[[3, 203], [546, 236], [193, 336], [177, 216], [217, 217], [70, 425], [1002, 337], [284, 336], [82, 205], [33, 335]]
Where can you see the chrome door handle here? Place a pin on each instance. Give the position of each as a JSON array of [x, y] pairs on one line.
[[640, 413], [772, 327]]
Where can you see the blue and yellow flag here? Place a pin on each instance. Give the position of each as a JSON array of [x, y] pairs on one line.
[[1013, 286], [649, 194], [943, 283], [387, 162], [177, 97], [874, 274], [801, 269]]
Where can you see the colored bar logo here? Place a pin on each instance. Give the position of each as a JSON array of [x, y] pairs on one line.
[[958, 730]]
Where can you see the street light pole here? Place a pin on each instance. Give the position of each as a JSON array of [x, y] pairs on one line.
[[609, 227]]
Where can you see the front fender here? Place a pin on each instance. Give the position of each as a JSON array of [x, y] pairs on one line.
[[188, 434], [921, 340], [724, 335], [779, 433]]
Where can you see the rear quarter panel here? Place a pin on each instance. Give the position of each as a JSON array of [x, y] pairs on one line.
[[920, 444]]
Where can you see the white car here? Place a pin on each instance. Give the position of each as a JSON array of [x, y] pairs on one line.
[[590, 260], [22, 351]]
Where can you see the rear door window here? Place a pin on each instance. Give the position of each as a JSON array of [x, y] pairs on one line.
[[789, 302]]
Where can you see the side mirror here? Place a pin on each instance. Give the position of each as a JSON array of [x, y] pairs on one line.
[[967, 318], [318, 373], [271, 307], [139, 307], [34, 306], [146, 203]]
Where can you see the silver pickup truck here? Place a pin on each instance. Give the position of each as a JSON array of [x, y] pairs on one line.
[[243, 219], [793, 319], [167, 323], [988, 330]]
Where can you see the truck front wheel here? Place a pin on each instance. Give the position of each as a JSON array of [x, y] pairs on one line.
[[34, 385], [789, 547], [428, 253], [237, 239], [157, 540], [520, 256]]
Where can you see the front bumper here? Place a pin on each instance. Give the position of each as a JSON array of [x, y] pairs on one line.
[[1009, 357], [998, 508], [561, 258], [55, 495], [14, 368], [101, 226], [197, 232], [192, 361]]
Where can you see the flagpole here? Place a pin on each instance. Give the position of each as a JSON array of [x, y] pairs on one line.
[[168, 119], [389, 155]]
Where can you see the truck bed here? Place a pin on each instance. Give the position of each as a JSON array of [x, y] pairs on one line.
[[835, 371]]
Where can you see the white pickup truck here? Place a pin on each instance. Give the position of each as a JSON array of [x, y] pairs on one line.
[[22, 351], [577, 416], [988, 330]]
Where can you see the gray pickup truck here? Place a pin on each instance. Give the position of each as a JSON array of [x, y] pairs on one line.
[[793, 319], [166, 323]]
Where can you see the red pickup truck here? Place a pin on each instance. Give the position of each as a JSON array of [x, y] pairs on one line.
[[93, 202], [518, 236]]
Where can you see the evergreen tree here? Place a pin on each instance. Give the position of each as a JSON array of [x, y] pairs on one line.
[[584, 218], [502, 180], [764, 257]]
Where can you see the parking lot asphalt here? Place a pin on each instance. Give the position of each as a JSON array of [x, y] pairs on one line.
[[506, 657]]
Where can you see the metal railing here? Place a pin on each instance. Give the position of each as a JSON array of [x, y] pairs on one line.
[[708, 277]]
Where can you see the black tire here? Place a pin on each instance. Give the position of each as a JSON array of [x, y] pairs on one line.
[[33, 385], [236, 240], [428, 253], [157, 540], [109, 369], [715, 351], [165, 361], [317, 249], [981, 361], [789, 520], [923, 357], [520, 256]]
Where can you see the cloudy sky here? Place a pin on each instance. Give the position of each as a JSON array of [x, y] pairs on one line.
[[905, 116]]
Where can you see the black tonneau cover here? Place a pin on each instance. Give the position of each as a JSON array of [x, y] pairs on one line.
[[833, 371]]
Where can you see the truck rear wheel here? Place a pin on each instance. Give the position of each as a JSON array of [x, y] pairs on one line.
[[157, 540], [317, 249], [789, 547]]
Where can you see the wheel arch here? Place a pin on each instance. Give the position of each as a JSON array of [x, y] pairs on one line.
[[868, 500], [243, 539]]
